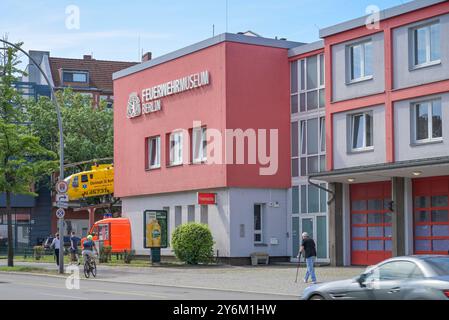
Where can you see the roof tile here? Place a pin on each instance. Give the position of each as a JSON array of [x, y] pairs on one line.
[[100, 71]]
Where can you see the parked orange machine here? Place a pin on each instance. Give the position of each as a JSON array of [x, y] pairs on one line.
[[114, 232]]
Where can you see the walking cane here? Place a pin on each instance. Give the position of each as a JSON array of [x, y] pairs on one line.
[[297, 269]]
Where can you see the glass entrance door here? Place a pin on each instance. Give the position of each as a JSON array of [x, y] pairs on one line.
[[316, 227], [307, 226], [321, 237]]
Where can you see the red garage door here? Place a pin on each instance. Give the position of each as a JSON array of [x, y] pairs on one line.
[[431, 215], [370, 222]]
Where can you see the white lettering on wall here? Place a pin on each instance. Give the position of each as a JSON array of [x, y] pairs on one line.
[[176, 86], [151, 97]]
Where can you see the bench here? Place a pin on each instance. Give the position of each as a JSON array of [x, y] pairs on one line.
[[256, 257]]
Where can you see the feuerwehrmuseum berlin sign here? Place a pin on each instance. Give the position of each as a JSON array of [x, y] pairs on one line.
[[150, 100]]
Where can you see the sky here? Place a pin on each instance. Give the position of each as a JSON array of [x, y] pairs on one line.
[[121, 30]]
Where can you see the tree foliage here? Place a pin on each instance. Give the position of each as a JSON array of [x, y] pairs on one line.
[[88, 131], [23, 159]]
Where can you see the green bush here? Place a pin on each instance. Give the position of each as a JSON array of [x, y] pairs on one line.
[[38, 252], [193, 243], [128, 256], [105, 254]]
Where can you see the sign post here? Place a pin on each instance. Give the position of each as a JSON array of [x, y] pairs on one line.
[[61, 189]]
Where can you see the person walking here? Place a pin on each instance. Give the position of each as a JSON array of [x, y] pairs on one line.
[[74, 241], [56, 243], [308, 248]]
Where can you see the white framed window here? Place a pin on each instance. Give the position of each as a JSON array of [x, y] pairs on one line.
[[75, 76], [295, 148], [178, 216], [307, 84], [312, 199], [190, 213], [204, 214], [199, 144], [426, 44], [427, 121], [175, 148], [154, 152], [312, 146], [322, 134], [258, 223], [361, 131], [360, 60]]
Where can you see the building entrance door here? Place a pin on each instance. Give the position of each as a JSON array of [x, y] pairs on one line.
[[431, 222], [370, 222], [316, 227]]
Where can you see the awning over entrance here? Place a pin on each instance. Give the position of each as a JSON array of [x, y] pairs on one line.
[[380, 172]]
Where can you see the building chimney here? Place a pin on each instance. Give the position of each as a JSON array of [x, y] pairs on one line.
[[146, 56], [87, 57]]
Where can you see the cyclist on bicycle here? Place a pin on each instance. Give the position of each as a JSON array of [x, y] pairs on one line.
[[89, 248]]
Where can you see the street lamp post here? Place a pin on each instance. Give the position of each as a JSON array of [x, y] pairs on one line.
[[61, 147]]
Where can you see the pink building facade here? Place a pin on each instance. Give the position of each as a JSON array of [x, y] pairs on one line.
[[345, 138], [212, 117]]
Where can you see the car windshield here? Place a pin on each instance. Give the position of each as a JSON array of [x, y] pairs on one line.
[[439, 264]]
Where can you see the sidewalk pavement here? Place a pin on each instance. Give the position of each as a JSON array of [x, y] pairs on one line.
[[272, 279]]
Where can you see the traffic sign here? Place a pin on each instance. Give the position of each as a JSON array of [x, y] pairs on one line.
[[62, 187], [60, 213], [61, 204], [62, 197]]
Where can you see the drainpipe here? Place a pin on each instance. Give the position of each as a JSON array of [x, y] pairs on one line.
[[331, 199]]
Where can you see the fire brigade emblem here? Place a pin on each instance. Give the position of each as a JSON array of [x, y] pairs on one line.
[[134, 109]]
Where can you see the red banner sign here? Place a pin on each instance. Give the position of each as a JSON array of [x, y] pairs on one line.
[[207, 198]]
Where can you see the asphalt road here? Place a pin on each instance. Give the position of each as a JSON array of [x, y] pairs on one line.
[[40, 287]]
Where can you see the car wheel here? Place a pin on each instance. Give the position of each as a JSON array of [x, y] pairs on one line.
[[316, 297]]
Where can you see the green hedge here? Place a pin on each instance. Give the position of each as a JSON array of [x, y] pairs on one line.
[[193, 243], [39, 251], [105, 254]]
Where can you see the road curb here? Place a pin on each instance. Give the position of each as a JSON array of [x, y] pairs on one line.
[[153, 284]]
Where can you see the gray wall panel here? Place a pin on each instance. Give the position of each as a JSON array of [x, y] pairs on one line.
[[341, 90], [404, 147], [343, 159], [403, 75]]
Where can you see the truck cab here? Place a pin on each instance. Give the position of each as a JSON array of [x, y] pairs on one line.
[[114, 232]]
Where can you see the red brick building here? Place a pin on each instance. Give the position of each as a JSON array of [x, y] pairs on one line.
[[88, 76]]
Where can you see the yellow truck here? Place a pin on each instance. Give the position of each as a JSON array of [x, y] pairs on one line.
[[98, 181]]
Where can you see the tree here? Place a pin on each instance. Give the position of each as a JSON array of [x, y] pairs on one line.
[[88, 131], [23, 160]]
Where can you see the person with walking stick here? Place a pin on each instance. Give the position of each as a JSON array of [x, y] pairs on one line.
[[299, 263], [56, 243], [308, 248]]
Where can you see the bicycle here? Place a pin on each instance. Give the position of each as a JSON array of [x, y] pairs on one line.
[[90, 267]]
